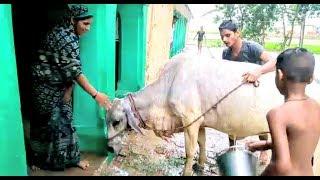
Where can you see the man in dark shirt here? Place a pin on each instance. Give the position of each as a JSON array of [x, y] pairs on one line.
[[201, 36], [246, 51]]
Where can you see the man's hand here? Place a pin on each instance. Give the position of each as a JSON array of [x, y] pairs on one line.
[[251, 77]]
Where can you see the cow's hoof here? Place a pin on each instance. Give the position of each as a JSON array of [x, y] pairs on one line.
[[198, 169], [187, 173]]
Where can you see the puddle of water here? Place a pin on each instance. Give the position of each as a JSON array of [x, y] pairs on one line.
[[150, 156]]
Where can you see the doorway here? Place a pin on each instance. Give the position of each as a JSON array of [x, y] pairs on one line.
[[30, 25], [118, 51], [130, 64]]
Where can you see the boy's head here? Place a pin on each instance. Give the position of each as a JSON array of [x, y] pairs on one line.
[[295, 65], [229, 32]]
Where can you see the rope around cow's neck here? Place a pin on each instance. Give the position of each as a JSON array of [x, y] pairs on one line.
[[144, 125]]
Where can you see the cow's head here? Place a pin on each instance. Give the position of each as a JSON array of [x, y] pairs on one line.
[[120, 118]]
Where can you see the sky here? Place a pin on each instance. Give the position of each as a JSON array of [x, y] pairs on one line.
[[199, 9], [207, 21]]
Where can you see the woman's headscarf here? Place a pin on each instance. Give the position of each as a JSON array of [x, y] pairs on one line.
[[77, 12], [80, 12]]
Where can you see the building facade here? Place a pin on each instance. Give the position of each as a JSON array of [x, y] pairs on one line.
[[126, 47]]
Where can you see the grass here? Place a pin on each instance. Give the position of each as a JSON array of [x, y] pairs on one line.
[[269, 46], [272, 46], [213, 43]]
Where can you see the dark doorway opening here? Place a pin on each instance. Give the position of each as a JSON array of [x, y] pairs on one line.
[[30, 25], [118, 50]]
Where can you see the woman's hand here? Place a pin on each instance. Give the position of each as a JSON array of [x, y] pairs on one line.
[[103, 100]]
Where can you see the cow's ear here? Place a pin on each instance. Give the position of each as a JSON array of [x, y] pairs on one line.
[[132, 121]]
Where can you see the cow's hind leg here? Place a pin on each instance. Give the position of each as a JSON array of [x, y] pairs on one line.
[[199, 168], [202, 146], [191, 137]]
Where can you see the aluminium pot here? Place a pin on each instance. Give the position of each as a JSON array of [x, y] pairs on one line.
[[237, 161]]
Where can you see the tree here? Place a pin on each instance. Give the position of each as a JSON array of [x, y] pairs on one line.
[[304, 11], [289, 12], [232, 12], [261, 19], [253, 19], [296, 13], [228, 11]]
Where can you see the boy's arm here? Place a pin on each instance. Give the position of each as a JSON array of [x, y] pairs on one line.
[[281, 163], [270, 64], [259, 145]]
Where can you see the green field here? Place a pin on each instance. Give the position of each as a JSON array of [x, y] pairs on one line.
[[270, 46]]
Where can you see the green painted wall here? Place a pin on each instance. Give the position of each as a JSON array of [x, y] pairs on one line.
[[132, 47], [179, 35], [97, 51], [12, 146]]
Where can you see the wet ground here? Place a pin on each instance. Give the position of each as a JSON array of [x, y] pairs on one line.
[[151, 156], [95, 162]]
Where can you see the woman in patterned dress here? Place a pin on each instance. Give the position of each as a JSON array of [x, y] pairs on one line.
[[53, 139]]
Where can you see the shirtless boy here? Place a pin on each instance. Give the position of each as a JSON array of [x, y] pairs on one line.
[[295, 125]]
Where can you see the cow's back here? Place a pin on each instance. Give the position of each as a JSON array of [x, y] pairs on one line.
[[243, 112]]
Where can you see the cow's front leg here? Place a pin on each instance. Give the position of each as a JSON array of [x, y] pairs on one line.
[[191, 136]]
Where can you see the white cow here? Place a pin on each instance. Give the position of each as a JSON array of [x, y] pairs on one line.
[[187, 88]]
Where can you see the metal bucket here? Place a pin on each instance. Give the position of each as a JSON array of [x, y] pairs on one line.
[[237, 161]]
